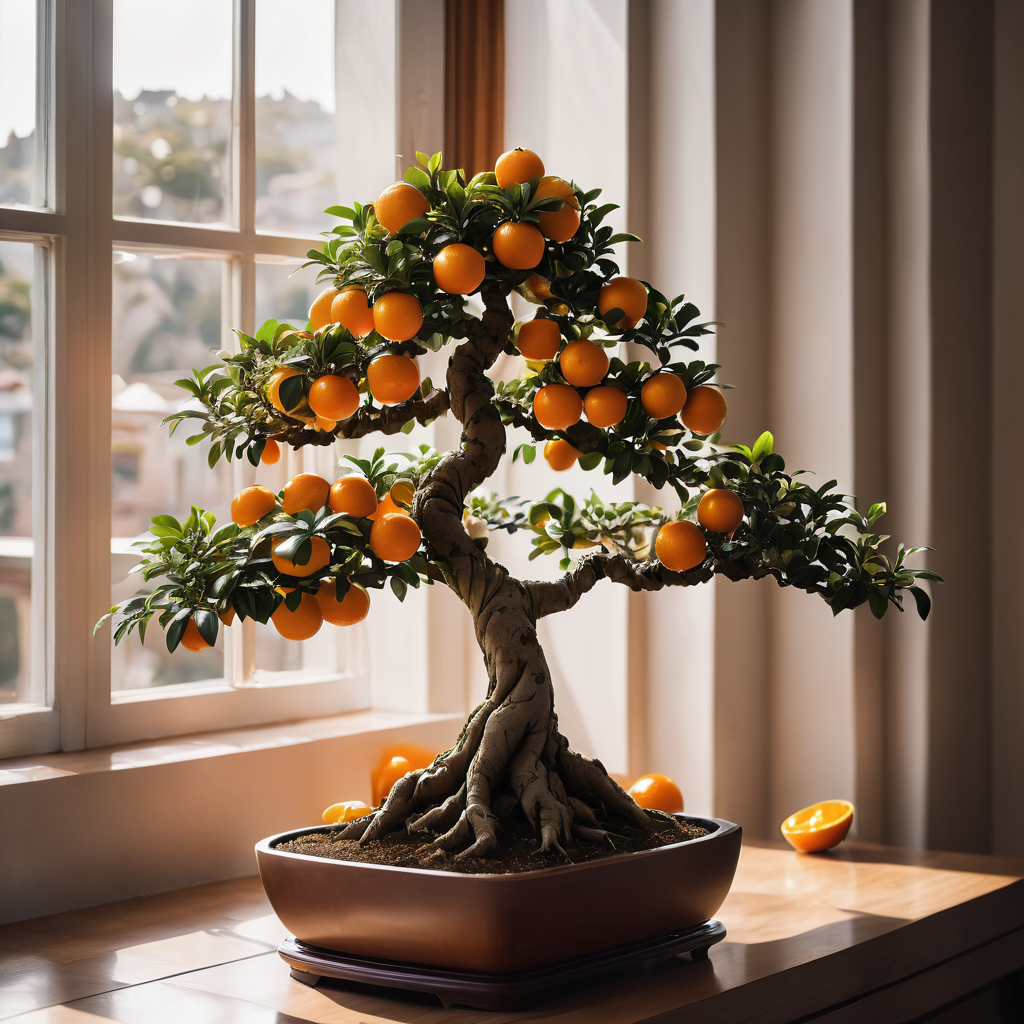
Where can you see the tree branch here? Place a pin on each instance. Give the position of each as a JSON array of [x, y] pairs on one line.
[[560, 595]]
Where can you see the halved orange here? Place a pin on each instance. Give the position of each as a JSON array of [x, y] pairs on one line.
[[347, 810], [820, 826]]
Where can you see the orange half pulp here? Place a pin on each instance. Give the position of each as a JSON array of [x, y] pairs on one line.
[[820, 826]]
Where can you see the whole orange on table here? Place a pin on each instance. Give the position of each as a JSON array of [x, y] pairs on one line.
[[658, 792], [395, 762], [819, 827]]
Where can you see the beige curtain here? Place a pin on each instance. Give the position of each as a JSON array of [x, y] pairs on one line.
[[868, 254]]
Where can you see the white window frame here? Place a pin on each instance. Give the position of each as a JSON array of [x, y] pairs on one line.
[[79, 232]]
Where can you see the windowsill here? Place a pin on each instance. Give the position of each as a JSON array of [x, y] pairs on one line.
[[17, 770], [114, 822]]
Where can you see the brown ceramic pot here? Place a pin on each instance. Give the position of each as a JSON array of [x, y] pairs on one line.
[[499, 923]]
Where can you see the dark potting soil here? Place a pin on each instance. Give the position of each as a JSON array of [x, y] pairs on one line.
[[517, 849]]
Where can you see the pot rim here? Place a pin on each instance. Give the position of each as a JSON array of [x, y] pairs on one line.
[[266, 846]]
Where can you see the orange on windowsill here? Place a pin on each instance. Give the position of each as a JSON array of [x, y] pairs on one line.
[[819, 827]]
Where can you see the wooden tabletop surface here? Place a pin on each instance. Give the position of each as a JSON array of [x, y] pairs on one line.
[[864, 932]]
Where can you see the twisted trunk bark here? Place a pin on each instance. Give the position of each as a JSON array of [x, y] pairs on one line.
[[510, 753]]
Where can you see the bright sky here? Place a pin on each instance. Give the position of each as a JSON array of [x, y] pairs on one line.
[[17, 67], [183, 45]]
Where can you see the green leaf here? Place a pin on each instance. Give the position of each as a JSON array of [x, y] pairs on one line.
[[762, 446], [399, 587], [923, 601]]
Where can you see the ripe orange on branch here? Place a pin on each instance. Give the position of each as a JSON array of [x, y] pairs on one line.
[[398, 204], [397, 316], [300, 624], [353, 496], [720, 510], [663, 395], [251, 504], [517, 166], [305, 491], [351, 309], [277, 378], [459, 269], [392, 378], [627, 294], [680, 546], [583, 363], [539, 287], [560, 455], [320, 310], [558, 225], [605, 406], [704, 412], [334, 398], [658, 792], [557, 406], [352, 608], [395, 537], [192, 639], [320, 556], [518, 246], [539, 339], [271, 453]]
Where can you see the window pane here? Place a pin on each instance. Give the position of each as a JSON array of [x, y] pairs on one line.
[[172, 109], [17, 101], [17, 261], [281, 296], [166, 320], [295, 128]]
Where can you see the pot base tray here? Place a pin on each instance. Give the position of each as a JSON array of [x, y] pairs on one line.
[[310, 964]]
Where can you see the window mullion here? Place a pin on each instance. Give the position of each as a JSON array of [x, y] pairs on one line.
[[244, 149]]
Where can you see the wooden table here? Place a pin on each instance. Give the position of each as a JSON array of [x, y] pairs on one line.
[[866, 933]]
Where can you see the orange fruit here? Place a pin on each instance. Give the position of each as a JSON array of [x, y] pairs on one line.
[[396, 761], [354, 496], [605, 406], [324, 424], [397, 316], [459, 269], [820, 826], [320, 311], [271, 452], [398, 204], [352, 608], [387, 507], [300, 624], [704, 412], [558, 225], [539, 339], [560, 454], [627, 294], [517, 166], [657, 792], [333, 398], [305, 491], [352, 311], [395, 537], [539, 286], [227, 617], [402, 492], [583, 363], [277, 378], [663, 395], [518, 246], [192, 639], [319, 557], [251, 504], [680, 545], [347, 810], [720, 510], [557, 406], [392, 378]]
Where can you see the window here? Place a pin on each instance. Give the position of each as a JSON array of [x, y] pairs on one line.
[[144, 212]]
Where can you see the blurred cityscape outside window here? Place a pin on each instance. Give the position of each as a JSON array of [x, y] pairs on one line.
[[16, 520], [17, 101], [166, 320]]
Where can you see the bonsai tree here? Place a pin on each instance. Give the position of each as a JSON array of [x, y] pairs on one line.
[[400, 273]]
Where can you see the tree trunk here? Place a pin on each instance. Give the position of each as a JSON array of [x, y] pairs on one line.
[[510, 753]]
